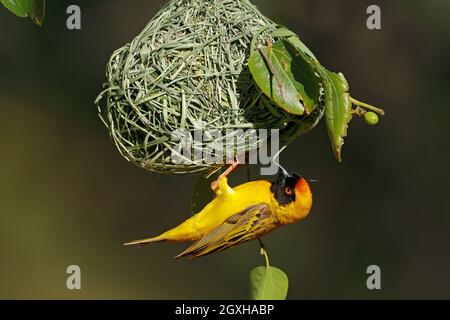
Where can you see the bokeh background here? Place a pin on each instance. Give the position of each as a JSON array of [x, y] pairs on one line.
[[67, 197]]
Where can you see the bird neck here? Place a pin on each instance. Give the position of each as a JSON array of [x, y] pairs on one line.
[[294, 211]]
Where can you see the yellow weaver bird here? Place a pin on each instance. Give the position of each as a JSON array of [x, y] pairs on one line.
[[237, 215]]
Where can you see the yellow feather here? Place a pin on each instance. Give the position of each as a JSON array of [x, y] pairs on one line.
[[236, 215]]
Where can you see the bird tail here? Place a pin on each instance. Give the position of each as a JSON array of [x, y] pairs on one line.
[[144, 242], [184, 232]]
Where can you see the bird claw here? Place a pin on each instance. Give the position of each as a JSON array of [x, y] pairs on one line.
[[215, 185]]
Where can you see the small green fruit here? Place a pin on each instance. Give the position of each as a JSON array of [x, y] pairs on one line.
[[371, 118]]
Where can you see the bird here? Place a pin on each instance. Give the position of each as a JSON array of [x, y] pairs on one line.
[[236, 215]]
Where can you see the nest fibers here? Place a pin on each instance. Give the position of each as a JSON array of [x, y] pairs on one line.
[[188, 70]]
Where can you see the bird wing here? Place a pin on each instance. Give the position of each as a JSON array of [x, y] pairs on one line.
[[251, 223]]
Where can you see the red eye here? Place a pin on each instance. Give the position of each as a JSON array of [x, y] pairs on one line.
[[288, 191]]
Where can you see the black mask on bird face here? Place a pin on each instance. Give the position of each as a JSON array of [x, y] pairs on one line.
[[284, 186]]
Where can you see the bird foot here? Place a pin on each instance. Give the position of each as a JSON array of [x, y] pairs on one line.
[[215, 184]]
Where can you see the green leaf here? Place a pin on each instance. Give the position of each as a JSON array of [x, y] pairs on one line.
[[35, 9], [16, 7], [300, 69], [338, 108], [268, 283], [273, 79], [293, 38], [338, 105], [286, 76]]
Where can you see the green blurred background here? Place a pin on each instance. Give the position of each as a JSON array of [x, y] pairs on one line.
[[67, 197]]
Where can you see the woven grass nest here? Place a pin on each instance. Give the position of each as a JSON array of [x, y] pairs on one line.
[[188, 70]]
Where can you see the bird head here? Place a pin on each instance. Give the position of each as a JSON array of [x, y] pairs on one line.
[[293, 195]]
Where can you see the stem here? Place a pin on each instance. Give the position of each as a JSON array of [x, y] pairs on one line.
[[264, 252], [367, 106]]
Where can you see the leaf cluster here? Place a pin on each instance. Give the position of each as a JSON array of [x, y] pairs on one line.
[[289, 74]]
